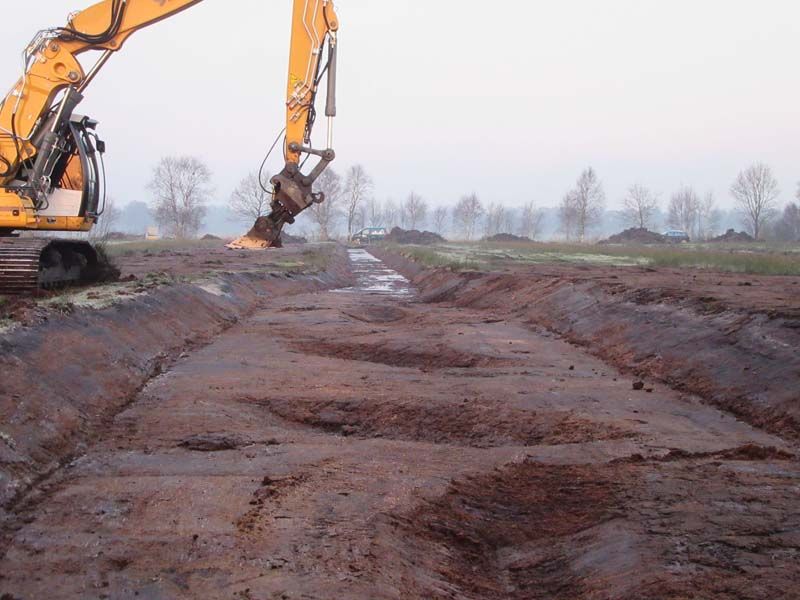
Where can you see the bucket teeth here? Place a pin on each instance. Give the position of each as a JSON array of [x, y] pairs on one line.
[[264, 234]]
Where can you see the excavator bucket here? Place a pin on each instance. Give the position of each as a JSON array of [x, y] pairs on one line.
[[264, 234]]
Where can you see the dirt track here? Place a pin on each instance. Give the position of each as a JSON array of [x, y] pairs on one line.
[[361, 444]]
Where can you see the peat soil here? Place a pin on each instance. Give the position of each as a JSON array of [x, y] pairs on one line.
[[363, 443], [728, 338]]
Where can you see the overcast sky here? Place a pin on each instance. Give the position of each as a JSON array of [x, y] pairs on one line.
[[510, 99]]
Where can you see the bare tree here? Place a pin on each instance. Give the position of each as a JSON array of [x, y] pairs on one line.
[[391, 214], [495, 219], [507, 224], [181, 186], [361, 218], [374, 213], [708, 218], [787, 229], [683, 208], [568, 216], [466, 215], [587, 201], [357, 190], [531, 221], [415, 209], [249, 200], [325, 214], [755, 191], [640, 205], [440, 219]]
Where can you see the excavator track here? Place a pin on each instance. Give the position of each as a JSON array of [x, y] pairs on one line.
[[31, 264]]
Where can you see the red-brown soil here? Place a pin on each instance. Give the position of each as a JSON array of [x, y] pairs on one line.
[[366, 446], [728, 338], [193, 262]]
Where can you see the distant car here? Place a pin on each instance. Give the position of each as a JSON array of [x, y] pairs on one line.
[[369, 235], [676, 236]]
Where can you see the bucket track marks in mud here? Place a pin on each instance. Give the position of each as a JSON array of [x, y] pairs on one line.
[[440, 356], [377, 314], [506, 534], [745, 453], [471, 423], [213, 442], [266, 499], [697, 528]]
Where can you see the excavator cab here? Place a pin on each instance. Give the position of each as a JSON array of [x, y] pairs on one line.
[[64, 181]]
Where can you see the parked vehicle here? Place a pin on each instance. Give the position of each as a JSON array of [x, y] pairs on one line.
[[676, 236], [369, 235]]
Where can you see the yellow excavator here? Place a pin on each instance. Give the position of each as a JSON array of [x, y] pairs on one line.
[[51, 158]]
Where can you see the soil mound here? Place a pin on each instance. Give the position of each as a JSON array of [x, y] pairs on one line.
[[636, 235], [293, 239], [508, 237], [733, 236], [423, 238]]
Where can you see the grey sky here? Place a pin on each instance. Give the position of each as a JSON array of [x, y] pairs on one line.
[[510, 99]]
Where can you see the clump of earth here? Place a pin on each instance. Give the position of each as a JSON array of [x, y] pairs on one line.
[[508, 237], [636, 235], [733, 236], [413, 236]]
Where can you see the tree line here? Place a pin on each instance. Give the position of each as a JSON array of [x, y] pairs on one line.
[[181, 190]]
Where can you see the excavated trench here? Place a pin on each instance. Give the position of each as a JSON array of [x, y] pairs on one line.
[[730, 339], [366, 443]]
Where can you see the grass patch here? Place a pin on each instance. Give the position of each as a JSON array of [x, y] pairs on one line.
[[315, 260], [752, 263], [436, 259], [756, 259], [150, 247]]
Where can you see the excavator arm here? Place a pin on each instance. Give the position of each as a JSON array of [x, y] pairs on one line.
[[51, 157], [314, 29], [52, 67]]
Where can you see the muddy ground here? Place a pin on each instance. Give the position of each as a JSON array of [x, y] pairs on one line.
[[380, 441]]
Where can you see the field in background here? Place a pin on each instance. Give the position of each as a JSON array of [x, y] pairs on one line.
[[115, 249], [760, 259]]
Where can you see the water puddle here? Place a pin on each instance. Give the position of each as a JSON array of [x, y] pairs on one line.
[[375, 278]]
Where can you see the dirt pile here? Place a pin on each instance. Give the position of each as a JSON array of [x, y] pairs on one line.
[[293, 239], [636, 235], [734, 237], [421, 238], [508, 237]]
